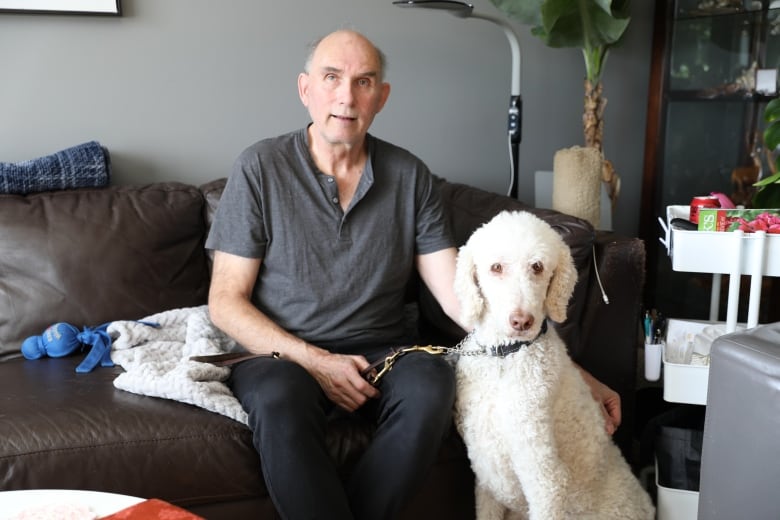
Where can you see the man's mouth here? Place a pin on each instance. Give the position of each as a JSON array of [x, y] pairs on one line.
[[343, 118]]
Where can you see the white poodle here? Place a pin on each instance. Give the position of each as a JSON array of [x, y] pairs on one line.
[[535, 436]]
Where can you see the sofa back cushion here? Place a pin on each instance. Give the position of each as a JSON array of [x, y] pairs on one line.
[[468, 208], [90, 256], [212, 192]]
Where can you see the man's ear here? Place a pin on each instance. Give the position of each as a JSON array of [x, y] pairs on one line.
[[303, 88], [383, 96]]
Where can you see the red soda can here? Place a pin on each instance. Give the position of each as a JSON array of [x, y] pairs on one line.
[[702, 202]]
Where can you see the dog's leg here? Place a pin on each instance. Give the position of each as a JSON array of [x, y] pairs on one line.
[[488, 508], [546, 489], [538, 466], [516, 515]]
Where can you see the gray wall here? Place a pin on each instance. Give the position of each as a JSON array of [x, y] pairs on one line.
[[175, 89]]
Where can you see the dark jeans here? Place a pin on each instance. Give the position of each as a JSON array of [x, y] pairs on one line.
[[288, 416]]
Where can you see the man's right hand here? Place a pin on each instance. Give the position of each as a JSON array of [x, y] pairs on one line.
[[340, 379], [231, 309]]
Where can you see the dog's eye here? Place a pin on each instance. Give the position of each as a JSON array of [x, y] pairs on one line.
[[537, 267], [496, 268]]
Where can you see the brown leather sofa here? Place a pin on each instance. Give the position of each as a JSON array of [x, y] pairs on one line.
[[91, 256]]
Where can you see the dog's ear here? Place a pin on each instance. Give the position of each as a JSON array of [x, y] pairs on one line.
[[472, 303], [561, 285]]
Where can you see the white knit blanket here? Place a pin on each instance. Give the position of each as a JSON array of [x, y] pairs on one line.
[[157, 364]]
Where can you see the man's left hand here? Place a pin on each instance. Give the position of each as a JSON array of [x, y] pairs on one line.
[[608, 399]]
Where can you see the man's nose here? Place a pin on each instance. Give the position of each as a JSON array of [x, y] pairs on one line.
[[346, 92]]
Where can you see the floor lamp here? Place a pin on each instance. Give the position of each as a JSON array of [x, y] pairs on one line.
[[464, 10]]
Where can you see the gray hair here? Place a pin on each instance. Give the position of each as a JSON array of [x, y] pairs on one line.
[[311, 48]]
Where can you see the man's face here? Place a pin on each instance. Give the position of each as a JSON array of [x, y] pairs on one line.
[[342, 89]]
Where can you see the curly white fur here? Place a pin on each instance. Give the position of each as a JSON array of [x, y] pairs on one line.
[[535, 436]]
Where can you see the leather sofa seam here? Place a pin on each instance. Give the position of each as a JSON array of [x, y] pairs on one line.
[[114, 444]]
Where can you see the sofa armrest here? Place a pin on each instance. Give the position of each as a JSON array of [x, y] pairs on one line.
[[612, 332]]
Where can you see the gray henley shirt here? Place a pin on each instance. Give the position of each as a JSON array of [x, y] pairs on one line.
[[329, 275]]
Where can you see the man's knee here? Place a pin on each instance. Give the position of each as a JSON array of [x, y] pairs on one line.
[[272, 386], [429, 376], [424, 385]]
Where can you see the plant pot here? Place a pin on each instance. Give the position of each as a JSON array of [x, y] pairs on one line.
[[577, 183]]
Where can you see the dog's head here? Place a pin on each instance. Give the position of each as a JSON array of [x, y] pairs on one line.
[[512, 273]]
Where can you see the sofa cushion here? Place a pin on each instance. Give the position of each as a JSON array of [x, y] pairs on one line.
[[212, 192], [76, 431], [91, 256], [83, 433]]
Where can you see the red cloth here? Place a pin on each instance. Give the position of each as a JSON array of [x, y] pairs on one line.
[[153, 509]]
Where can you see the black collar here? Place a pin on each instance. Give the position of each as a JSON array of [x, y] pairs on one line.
[[505, 350]]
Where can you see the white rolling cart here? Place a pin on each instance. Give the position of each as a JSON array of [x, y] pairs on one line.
[[733, 253]]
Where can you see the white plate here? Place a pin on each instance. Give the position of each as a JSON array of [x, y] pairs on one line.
[[102, 504]]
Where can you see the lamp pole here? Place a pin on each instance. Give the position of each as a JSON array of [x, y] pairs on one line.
[[515, 114]]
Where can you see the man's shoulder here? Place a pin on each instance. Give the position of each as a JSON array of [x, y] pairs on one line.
[[380, 145], [261, 160], [273, 144], [393, 154]]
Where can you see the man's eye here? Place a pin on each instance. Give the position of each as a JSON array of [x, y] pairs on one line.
[[497, 268], [364, 82]]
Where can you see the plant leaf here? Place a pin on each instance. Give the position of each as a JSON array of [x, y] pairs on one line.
[[768, 180], [571, 23], [772, 135], [528, 12], [591, 25], [772, 111], [584, 24], [767, 197]]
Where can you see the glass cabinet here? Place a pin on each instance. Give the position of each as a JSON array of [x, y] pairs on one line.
[[714, 68]]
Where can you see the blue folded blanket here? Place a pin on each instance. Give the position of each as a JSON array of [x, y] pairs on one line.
[[82, 166]]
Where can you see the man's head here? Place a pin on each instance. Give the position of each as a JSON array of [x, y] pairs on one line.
[[343, 87]]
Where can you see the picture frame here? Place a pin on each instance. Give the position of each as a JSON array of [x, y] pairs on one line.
[[92, 7]]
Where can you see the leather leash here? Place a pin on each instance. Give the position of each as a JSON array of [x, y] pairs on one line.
[[373, 373], [223, 360], [373, 376]]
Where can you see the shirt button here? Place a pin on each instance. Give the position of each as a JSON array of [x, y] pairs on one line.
[[335, 200], [330, 180]]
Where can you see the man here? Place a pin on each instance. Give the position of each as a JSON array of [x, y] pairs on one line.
[[315, 238]]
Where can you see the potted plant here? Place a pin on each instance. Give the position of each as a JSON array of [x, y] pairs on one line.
[[768, 189], [593, 26]]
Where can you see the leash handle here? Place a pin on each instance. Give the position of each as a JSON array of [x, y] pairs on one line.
[[373, 376], [223, 360]]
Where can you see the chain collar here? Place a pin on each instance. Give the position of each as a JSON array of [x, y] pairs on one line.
[[376, 370], [495, 350]]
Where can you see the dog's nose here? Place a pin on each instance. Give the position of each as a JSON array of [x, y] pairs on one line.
[[521, 321]]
